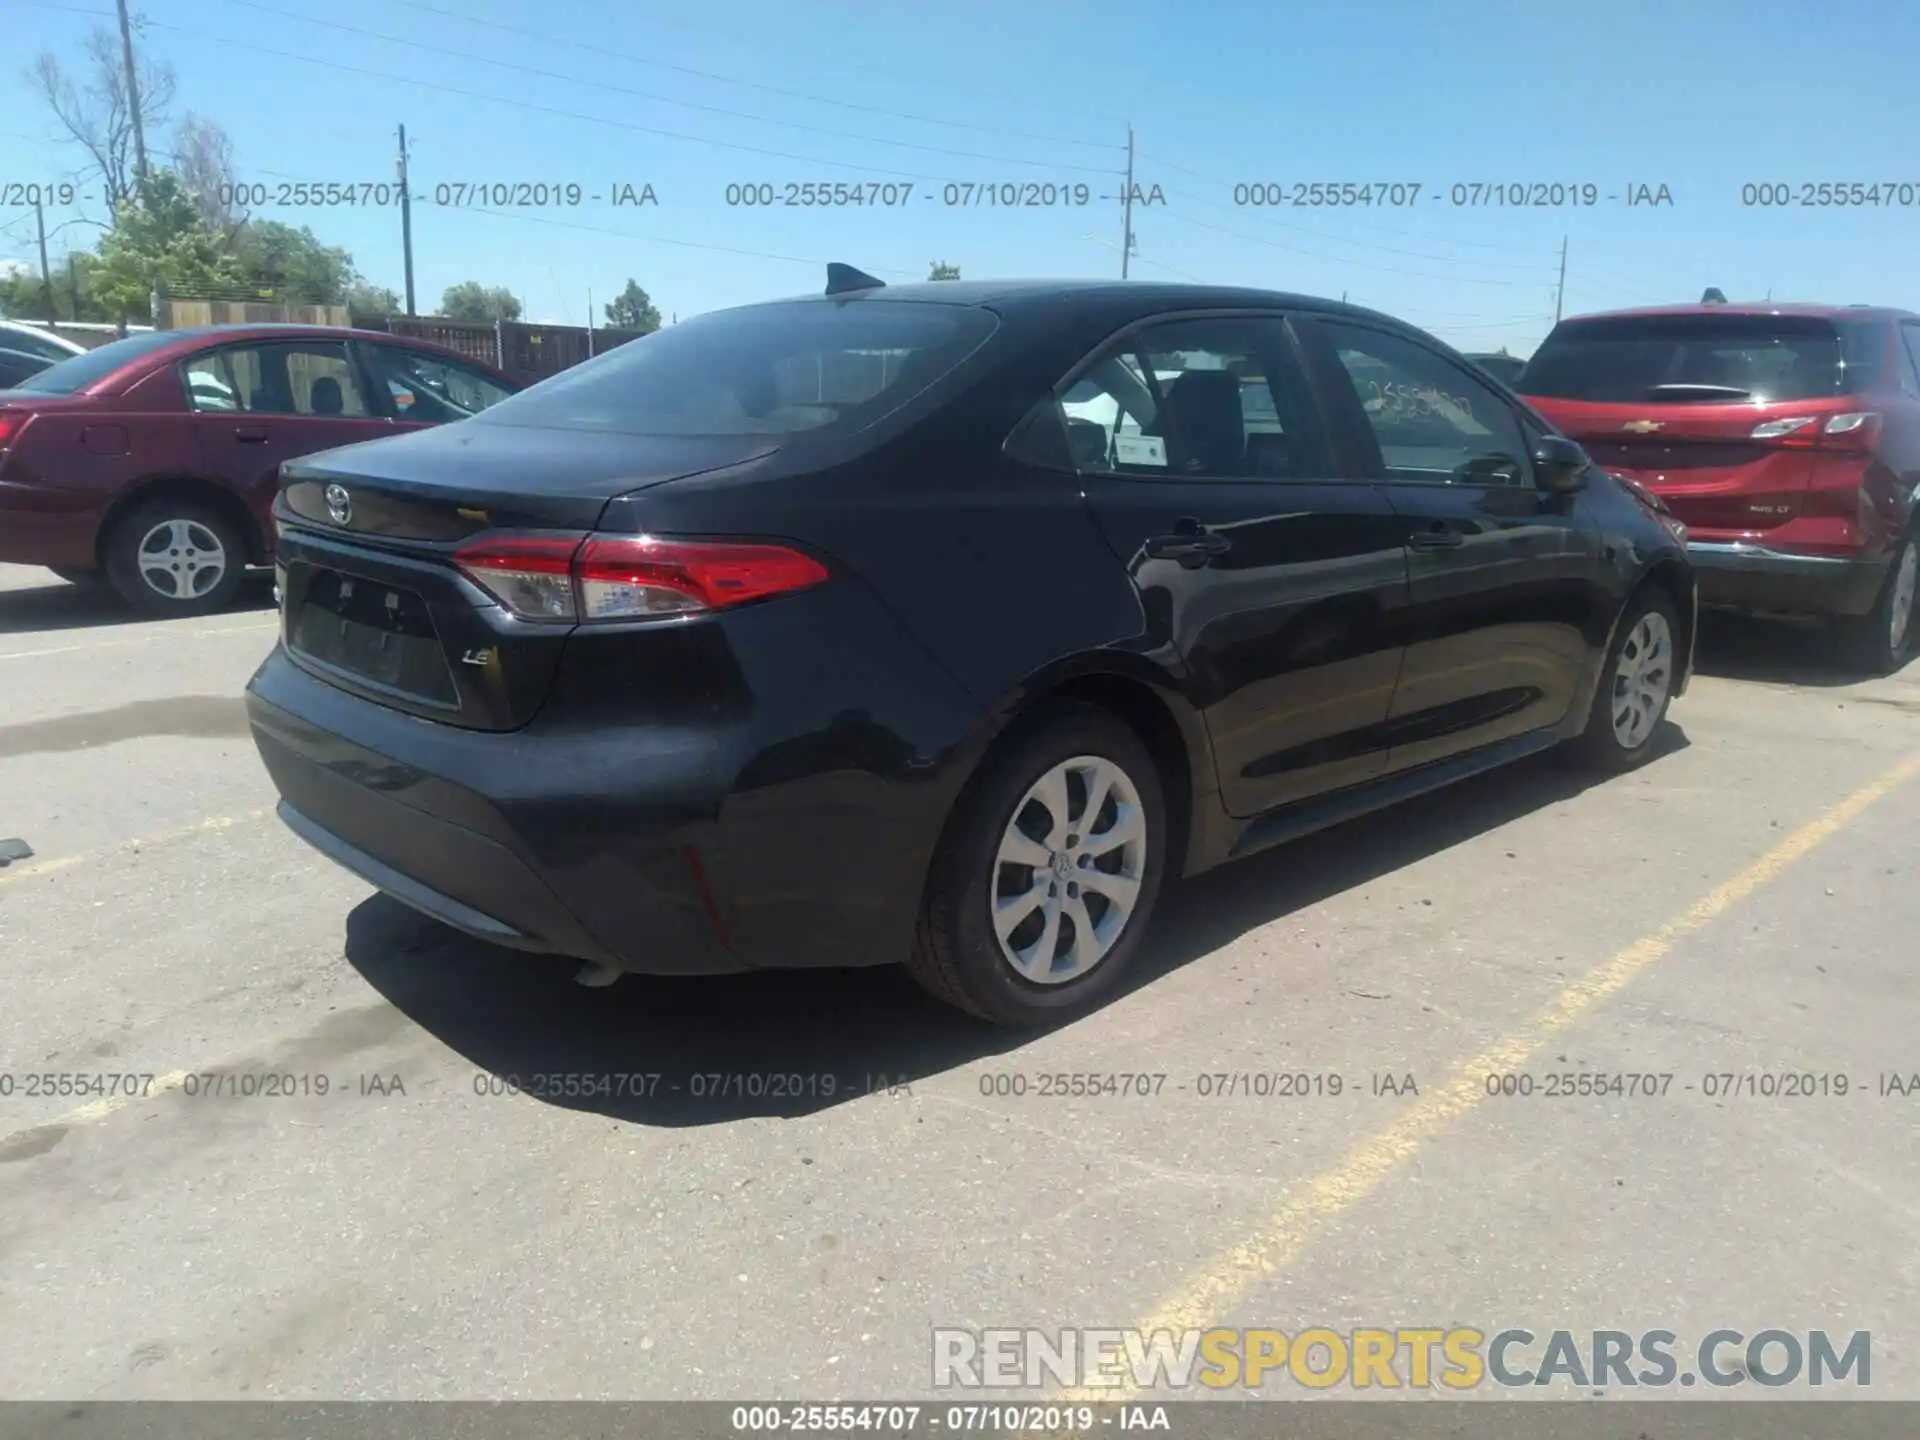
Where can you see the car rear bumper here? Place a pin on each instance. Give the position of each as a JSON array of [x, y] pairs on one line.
[[1737, 576], [470, 828], [43, 526]]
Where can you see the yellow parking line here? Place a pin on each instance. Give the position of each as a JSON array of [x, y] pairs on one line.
[[28, 870], [1318, 1201]]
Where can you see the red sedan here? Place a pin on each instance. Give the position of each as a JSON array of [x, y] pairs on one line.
[[154, 461]]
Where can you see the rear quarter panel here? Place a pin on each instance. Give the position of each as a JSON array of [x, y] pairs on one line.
[[70, 463], [967, 582]]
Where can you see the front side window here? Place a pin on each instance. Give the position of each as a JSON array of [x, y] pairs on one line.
[[777, 369], [422, 386], [1197, 399], [307, 379], [1434, 420]]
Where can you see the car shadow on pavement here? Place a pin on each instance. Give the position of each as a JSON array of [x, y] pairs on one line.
[[705, 1050], [58, 605], [1780, 652]]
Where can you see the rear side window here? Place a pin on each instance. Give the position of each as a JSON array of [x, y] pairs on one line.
[[1691, 359], [760, 370]]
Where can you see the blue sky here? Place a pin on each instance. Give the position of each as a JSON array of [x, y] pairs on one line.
[[1702, 97]]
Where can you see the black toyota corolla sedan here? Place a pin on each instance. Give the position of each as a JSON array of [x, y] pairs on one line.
[[941, 625]]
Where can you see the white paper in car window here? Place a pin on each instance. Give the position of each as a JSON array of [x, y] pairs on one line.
[[1139, 450]]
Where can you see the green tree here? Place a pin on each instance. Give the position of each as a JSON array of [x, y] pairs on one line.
[[22, 297], [470, 300], [366, 301], [158, 240], [292, 263], [943, 271], [633, 309]]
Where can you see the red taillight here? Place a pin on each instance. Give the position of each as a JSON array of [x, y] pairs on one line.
[[532, 575], [8, 425], [1856, 431], [625, 576], [585, 578]]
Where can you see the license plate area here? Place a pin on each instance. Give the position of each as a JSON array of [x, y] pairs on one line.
[[380, 634]]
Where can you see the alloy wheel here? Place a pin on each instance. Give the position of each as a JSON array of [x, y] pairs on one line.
[[1641, 680], [181, 559], [1068, 870]]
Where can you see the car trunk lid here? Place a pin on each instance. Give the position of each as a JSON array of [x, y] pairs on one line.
[[372, 597], [451, 481]]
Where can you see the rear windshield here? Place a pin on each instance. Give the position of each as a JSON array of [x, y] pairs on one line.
[[70, 377], [1690, 359], [759, 370]]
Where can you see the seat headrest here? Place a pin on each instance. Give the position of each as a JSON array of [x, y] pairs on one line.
[[326, 398], [1204, 423]]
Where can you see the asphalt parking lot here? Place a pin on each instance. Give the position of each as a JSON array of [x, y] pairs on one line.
[[1736, 908]]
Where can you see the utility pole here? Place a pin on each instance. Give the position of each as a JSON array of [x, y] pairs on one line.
[[73, 284], [46, 275], [589, 322], [406, 219], [1560, 290], [1126, 210], [133, 95]]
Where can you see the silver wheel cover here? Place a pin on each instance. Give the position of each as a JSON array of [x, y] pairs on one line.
[[181, 559], [1642, 678], [1068, 871]]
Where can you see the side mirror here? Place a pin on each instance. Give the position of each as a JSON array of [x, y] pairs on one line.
[[1559, 465]]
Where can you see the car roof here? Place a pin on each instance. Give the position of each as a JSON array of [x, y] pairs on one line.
[[40, 332], [1753, 307], [271, 328], [1122, 296]]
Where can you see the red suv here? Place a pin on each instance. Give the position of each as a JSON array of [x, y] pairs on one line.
[[1785, 437], [155, 460]]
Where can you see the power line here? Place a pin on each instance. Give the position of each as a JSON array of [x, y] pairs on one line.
[[1344, 240], [747, 84], [503, 100], [731, 113], [538, 108], [1382, 269], [630, 235], [1384, 230], [678, 244]]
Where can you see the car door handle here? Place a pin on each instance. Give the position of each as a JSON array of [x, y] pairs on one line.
[[1192, 548], [250, 434], [1436, 537]]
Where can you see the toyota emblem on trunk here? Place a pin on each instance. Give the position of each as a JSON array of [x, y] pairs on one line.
[[339, 504]]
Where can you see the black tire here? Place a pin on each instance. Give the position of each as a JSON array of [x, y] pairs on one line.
[[203, 521], [1867, 641], [77, 577], [956, 954], [1600, 746]]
